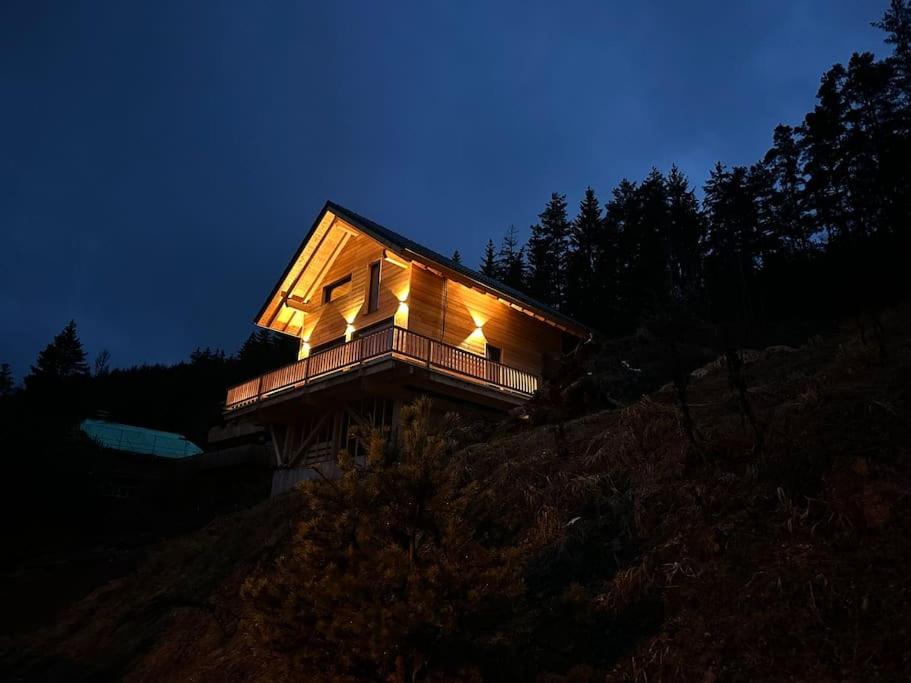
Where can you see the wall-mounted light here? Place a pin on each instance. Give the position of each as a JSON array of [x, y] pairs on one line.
[[476, 338], [349, 332], [479, 319], [400, 319]]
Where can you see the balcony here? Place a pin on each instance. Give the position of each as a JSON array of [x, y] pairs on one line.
[[391, 342]]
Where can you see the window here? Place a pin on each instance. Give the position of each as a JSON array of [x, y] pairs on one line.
[[373, 297], [337, 289], [494, 353]]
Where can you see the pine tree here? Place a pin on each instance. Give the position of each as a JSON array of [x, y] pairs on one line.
[[394, 544], [511, 261], [489, 266], [868, 142], [686, 231], [645, 241], [102, 364], [606, 281], [896, 21], [547, 250], [63, 359], [621, 221], [787, 200], [6, 380], [540, 271], [456, 257], [823, 133], [731, 242], [265, 350], [582, 258], [207, 356]]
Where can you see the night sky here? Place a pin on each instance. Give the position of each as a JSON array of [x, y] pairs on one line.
[[159, 162]]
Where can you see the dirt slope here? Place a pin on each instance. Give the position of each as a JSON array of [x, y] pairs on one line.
[[786, 562]]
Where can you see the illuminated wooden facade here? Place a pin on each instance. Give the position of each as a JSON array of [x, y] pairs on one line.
[[379, 317]]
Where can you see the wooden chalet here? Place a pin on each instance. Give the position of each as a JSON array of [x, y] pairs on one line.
[[380, 320]]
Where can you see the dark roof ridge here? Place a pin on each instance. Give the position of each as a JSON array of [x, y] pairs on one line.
[[401, 243]]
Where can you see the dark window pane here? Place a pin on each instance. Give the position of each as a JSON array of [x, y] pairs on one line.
[[373, 300], [337, 289]]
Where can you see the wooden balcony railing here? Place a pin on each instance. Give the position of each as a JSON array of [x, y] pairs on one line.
[[391, 341]]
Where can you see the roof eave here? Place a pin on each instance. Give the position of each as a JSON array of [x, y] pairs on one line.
[[561, 321]]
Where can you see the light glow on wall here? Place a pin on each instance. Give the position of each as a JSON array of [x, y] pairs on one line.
[[308, 325], [478, 318], [400, 318], [351, 310], [475, 305], [476, 340], [349, 332], [304, 349]]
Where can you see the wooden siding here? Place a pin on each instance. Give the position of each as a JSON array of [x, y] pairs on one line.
[[522, 339], [326, 322], [425, 302]]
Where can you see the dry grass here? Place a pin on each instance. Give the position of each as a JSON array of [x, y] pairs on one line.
[[790, 564]]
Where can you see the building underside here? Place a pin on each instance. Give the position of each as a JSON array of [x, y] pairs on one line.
[[309, 424]]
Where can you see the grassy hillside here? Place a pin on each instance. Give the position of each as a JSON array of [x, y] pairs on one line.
[[644, 556]]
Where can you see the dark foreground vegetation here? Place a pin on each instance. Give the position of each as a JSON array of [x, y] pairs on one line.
[[773, 543], [67, 521]]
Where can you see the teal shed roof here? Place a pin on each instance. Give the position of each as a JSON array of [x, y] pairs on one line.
[[133, 439]]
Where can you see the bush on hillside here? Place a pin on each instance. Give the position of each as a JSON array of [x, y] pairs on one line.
[[413, 567]]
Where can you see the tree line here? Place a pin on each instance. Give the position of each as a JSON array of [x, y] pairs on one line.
[[818, 227], [185, 397]]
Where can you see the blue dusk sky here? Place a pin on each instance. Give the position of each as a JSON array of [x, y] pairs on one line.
[[160, 161]]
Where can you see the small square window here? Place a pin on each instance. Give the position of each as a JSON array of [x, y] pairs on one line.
[[337, 289], [494, 353]]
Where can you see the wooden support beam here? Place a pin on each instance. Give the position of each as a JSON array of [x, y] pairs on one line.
[[393, 259], [303, 269], [278, 451], [318, 280], [299, 304], [362, 422], [344, 227], [305, 442]]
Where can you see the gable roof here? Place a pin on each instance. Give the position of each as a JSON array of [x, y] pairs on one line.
[[403, 246]]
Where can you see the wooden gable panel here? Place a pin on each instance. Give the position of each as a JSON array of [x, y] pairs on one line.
[[425, 302], [276, 315], [329, 321], [522, 339]]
